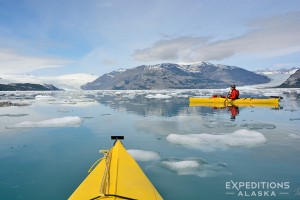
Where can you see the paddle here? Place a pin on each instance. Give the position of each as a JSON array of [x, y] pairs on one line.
[[226, 100]]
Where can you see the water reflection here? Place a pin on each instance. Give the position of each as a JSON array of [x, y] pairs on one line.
[[166, 105], [143, 106], [187, 145], [232, 110]]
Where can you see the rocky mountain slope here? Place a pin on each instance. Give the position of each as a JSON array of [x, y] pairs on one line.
[[26, 87], [174, 76], [293, 81]]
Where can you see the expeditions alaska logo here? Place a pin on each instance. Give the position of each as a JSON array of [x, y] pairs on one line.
[[256, 189]]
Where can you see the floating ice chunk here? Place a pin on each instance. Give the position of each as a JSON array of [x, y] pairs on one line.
[[44, 97], [278, 94], [258, 125], [221, 164], [192, 166], [294, 136], [184, 167], [293, 119], [215, 124], [14, 115], [142, 155], [211, 124], [297, 192], [64, 110], [69, 121], [8, 103], [210, 142], [158, 96]]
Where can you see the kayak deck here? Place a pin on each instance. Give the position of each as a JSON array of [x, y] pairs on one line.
[[117, 176], [222, 102]]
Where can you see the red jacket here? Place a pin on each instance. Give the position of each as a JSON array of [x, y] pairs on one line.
[[234, 94]]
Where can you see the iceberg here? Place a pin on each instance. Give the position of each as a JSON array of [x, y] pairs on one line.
[[294, 136], [158, 96], [193, 166], [14, 115], [44, 98], [70, 121], [141, 155], [211, 142]]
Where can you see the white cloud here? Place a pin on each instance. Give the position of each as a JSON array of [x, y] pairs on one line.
[[172, 49], [12, 62], [274, 36]]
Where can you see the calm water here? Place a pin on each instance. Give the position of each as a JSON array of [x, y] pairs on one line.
[[48, 156]]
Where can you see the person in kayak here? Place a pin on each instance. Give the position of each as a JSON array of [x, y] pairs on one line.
[[234, 93]]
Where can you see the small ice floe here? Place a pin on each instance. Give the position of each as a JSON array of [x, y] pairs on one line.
[[64, 110], [22, 172], [69, 121], [193, 166], [158, 96], [274, 94], [258, 125], [211, 124], [293, 136], [129, 96], [297, 191], [141, 155], [88, 117], [14, 115], [215, 124], [105, 114], [294, 119], [211, 142], [8, 103], [44, 97]]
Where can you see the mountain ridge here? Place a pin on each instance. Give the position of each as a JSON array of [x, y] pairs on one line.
[[175, 76], [292, 82], [27, 87], [65, 82]]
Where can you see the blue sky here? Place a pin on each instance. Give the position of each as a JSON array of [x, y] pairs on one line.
[[98, 36]]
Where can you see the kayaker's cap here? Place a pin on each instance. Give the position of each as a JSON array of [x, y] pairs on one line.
[[232, 86]]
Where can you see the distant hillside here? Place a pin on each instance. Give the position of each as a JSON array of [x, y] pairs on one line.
[[26, 87], [293, 81], [65, 82], [174, 76]]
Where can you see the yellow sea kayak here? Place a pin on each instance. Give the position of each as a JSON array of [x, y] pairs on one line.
[[116, 177], [223, 102]]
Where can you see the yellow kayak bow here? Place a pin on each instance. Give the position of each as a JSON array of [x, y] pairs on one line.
[[116, 177]]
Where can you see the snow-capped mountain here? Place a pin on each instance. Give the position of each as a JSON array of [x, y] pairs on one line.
[[175, 76]]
